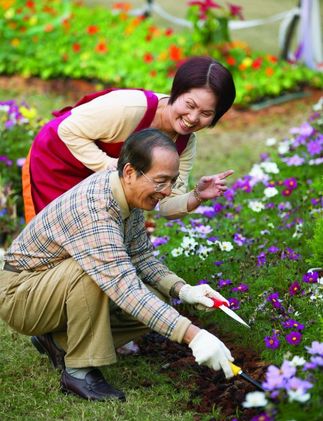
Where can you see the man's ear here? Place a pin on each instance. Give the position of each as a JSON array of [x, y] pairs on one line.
[[128, 173]]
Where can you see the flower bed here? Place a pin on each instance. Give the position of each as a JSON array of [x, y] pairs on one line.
[[256, 246], [64, 40]]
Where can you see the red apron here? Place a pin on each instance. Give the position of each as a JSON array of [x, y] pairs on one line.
[[51, 169]]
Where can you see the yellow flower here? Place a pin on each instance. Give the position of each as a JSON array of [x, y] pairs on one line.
[[15, 42], [247, 62], [29, 113], [9, 14]]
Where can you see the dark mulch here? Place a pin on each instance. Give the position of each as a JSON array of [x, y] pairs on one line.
[[208, 389]]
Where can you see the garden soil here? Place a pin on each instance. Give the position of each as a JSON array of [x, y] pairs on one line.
[[208, 390]]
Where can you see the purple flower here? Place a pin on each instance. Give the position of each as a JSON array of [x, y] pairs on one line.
[[224, 282], [241, 288], [316, 348], [292, 324], [229, 195], [314, 147], [291, 183], [273, 249], [311, 277], [314, 363], [272, 342], [294, 161], [274, 300], [213, 239], [218, 263], [293, 338], [234, 303], [202, 282], [262, 417], [239, 239], [294, 288], [261, 259], [290, 254], [305, 130], [217, 208], [276, 378], [158, 241], [296, 383], [316, 202]]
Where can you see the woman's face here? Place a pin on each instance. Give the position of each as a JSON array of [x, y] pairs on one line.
[[192, 111]]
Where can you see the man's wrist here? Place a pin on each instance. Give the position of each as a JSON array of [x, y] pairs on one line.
[[174, 291]]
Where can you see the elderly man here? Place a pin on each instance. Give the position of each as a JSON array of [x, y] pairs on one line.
[[82, 279]]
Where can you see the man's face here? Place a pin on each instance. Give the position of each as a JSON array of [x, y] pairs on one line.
[[142, 189]]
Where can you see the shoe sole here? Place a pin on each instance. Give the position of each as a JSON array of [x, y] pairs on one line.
[[70, 392], [42, 350]]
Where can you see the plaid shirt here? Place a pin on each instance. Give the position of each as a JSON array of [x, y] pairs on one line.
[[92, 224]]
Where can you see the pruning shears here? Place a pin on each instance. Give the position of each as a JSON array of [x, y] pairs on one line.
[[224, 306]]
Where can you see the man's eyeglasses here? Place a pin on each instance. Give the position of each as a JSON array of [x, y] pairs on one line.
[[162, 186]]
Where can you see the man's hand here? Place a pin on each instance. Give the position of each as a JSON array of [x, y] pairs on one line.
[[199, 295], [212, 186], [210, 351]]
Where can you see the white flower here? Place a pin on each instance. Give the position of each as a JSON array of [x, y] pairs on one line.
[[257, 175], [271, 141], [319, 105], [298, 395], [270, 225], [270, 167], [297, 361], [284, 146], [225, 245], [256, 206], [177, 252], [298, 231], [255, 400], [204, 251], [270, 192], [189, 243]]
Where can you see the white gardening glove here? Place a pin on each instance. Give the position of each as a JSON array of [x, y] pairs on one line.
[[210, 351], [199, 295]]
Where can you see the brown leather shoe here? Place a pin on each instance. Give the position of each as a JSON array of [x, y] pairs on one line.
[[45, 345], [94, 387]]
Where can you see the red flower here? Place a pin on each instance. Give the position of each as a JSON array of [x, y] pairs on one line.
[[30, 4], [204, 6], [76, 47], [148, 58], [287, 192], [175, 53], [168, 32], [256, 64], [235, 11], [231, 61], [101, 47], [92, 29]]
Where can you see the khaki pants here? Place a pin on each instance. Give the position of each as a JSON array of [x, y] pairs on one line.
[[67, 302]]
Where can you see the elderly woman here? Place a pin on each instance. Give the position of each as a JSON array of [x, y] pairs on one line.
[[88, 137]]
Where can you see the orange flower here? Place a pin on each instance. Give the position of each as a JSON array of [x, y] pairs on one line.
[[271, 58], [148, 58], [269, 71], [153, 73], [101, 47], [175, 53], [92, 29], [125, 7], [6, 4], [76, 47], [48, 27]]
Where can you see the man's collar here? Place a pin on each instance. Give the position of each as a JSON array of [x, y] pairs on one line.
[[118, 193]]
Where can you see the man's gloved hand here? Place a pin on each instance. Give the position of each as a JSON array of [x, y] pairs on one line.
[[210, 351], [199, 295]]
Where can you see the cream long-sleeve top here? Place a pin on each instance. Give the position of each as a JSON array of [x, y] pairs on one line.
[[112, 118]]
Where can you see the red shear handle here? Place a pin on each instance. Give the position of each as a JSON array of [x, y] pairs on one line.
[[217, 303]]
